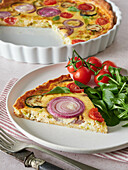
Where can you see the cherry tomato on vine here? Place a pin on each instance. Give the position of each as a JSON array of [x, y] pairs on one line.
[[96, 61], [95, 115], [82, 75], [107, 64], [71, 67], [105, 79], [74, 88]]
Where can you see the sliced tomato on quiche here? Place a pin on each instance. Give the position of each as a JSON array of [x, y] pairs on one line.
[[10, 20]]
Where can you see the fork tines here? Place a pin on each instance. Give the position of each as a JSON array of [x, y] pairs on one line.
[[6, 140]]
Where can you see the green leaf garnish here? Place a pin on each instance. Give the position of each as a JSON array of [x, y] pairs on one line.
[[56, 18], [58, 90], [73, 9]]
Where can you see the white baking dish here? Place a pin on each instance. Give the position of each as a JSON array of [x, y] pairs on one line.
[[40, 45]]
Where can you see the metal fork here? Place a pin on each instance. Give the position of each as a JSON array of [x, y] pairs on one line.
[[12, 144]]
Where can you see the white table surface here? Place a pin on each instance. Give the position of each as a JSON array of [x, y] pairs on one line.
[[117, 52]]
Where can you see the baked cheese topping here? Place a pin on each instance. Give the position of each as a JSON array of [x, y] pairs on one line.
[[75, 21]]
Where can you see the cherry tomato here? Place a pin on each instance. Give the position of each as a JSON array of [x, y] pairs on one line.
[[107, 64], [82, 75], [71, 68], [84, 6], [74, 88], [95, 115], [96, 61], [50, 2], [105, 79], [10, 20], [66, 15], [102, 21], [77, 41]]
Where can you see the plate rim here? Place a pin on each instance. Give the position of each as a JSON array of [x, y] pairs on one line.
[[52, 145]]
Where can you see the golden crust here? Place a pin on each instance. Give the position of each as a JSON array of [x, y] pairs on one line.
[[45, 87]]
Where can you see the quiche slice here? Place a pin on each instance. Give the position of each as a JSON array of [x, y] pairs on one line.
[[48, 104], [75, 21]]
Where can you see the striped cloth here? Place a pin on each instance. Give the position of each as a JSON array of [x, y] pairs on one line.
[[7, 125]]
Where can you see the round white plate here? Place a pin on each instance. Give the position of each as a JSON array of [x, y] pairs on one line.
[[57, 137]]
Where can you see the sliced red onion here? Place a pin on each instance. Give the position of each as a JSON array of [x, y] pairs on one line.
[[69, 30], [4, 14], [65, 107], [48, 12], [74, 20], [25, 8]]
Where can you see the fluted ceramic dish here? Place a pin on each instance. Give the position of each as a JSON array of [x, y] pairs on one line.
[[44, 46]]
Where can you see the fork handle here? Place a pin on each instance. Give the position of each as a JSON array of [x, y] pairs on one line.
[[48, 166], [39, 164], [60, 157]]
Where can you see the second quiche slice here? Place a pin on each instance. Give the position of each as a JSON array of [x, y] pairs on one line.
[[47, 103]]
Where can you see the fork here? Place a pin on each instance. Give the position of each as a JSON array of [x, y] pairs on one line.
[[12, 144]]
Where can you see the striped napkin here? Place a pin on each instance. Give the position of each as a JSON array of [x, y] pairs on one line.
[[7, 125]]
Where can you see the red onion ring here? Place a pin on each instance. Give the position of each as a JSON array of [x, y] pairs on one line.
[[66, 23], [4, 14], [69, 30], [25, 8], [65, 107], [48, 11]]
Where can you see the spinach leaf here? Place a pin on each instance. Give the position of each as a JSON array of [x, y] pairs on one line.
[[93, 93], [119, 99], [100, 104], [111, 87], [81, 85], [58, 89], [125, 125], [107, 98], [123, 114], [110, 120]]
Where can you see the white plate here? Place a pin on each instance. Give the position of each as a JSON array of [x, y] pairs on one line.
[[57, 137], [44, 46]]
